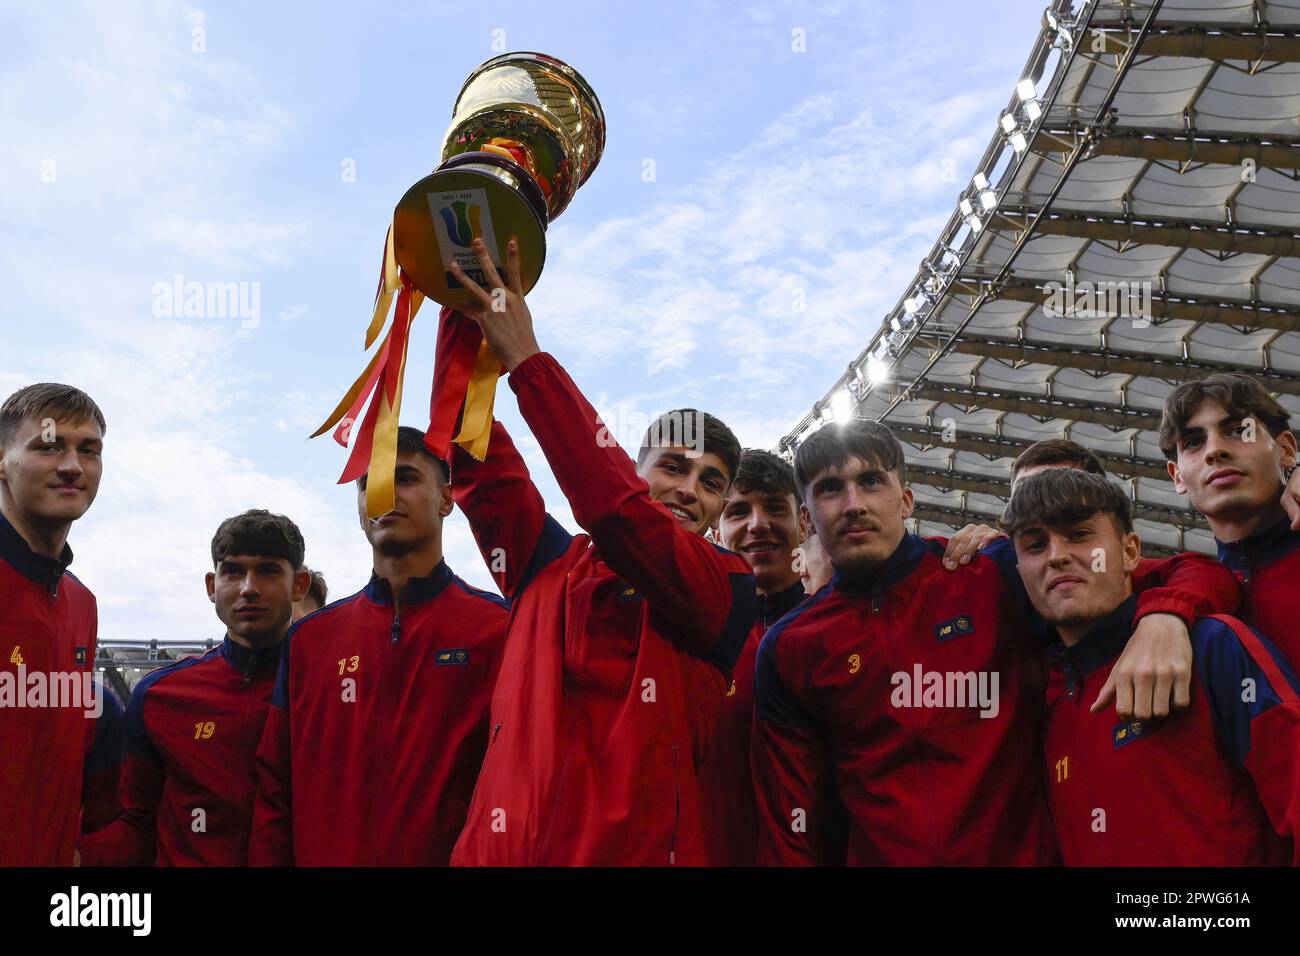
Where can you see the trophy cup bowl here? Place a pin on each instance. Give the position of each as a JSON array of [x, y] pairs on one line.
[[526, 132]]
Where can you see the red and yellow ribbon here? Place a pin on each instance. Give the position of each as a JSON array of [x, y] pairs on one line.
[[464, 378]]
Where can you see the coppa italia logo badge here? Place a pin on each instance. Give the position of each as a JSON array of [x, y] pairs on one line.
[[462, 220]]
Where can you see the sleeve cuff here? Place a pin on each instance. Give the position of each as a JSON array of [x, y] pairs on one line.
[[530, 368], [1179, 607]]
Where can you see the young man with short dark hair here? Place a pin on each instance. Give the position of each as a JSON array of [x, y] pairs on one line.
[[940, 770], [192, 728], [1231, 450], [763, 523], [51, 447], [621, 640], [1154, 675], [379, 718], [1215, 784]]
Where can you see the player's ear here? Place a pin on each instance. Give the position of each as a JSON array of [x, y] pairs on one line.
[[1132, 551], [1285, 441], [445, 503], [301, 584], [909, 503], [1176, 477], [210, 581]]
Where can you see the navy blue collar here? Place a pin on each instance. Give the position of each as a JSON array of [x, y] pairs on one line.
[[1100, 645], [35, 567], [249, 659], [418, 590], [1259, 549], [897, 566], [776, 606]]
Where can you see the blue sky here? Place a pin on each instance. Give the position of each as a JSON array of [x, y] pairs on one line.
[[794, 194]]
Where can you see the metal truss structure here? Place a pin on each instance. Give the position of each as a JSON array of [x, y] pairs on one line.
[[122, 663], [1133, 223]]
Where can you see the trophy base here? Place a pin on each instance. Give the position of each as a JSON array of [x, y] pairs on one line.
[[473, 195]]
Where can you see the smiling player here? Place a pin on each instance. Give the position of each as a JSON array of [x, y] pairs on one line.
[[621, 640], [1215, 784], [51, 447], [1231, 451]]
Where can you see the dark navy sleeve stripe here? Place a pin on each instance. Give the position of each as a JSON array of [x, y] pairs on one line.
[[1237, 683], [280, 693], [551, 543], [134, 731], [773, 702], [488, 596], [735, 630], [107, 750]]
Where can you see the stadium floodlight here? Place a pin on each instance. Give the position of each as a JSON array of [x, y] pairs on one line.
[[1033, 111], [842, 405], [965, 206], [895, 324], [1051, 19], [988, 199], [975, 224], [877, 371], [1018, 141], [913, 304], [1009, 123], [981, 181], [1025, 89]]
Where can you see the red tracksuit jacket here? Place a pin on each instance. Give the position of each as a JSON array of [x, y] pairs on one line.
[[378, 726], [922, 785], [192, 730], [618, 653], [1268, 566], [1215, 784], [730, 818], [47, 636]]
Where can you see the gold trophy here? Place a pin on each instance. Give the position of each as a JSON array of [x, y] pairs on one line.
[[526, 132]]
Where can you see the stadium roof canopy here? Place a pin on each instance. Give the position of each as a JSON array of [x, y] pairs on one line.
[[1133, 223]]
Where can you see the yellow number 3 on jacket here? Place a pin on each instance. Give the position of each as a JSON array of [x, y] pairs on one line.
[[855, 663]]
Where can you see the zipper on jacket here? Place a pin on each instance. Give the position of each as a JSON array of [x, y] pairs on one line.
[[677, 811], [877, 592], [496, 729], [248, 668], [396, 631]]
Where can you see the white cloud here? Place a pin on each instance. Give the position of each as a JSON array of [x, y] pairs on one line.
[[228, 246]]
